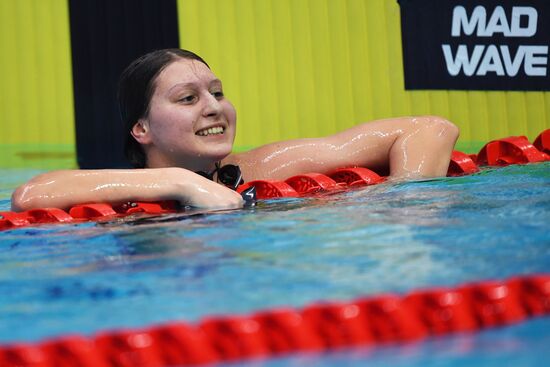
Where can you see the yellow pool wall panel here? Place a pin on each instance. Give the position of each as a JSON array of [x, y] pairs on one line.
[[293, 68], [306, 68], [36, 98]]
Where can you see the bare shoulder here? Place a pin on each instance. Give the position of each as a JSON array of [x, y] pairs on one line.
[[271, 161], [283, 159]]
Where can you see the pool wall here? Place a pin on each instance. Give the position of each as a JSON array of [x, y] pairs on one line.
[[293, 68]]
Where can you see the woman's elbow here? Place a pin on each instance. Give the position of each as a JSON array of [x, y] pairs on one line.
[[33, 194], [440, 128], [20, 200], [448, 128]]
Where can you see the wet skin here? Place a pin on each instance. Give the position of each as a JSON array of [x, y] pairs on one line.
[[191, 125]]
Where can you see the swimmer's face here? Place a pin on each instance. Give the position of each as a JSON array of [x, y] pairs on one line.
[[190, 123]]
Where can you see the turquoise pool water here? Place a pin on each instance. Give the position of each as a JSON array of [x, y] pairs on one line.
[[60, 279]]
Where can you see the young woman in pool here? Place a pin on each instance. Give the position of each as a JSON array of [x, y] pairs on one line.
[[179, 123]]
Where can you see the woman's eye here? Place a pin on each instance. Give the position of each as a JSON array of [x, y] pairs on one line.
[[218, 95], [187, 99]]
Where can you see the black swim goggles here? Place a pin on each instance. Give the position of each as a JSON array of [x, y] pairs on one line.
[[230, 176]]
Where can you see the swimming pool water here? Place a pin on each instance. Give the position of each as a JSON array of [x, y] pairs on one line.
[[82, 278]]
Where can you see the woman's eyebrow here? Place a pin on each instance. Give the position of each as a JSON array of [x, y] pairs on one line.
[[192, 84], [215, 82], [180, 85]]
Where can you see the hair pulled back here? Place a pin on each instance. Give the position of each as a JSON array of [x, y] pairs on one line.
[[135, 90]]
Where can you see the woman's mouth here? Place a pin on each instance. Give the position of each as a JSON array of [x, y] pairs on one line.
[[216, 130]]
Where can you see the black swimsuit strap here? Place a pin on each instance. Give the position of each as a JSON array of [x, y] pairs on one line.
[[209, 175]]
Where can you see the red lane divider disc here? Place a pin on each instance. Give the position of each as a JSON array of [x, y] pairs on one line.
[[542, 142], [158, 207], [310, 183], [22, 355], [235, 337], [390, 320], [356, 176], [5, 224], [73, 351], [286, 330], [91, 211], [128, 348], [269, 189], [49, 215], [14, 219], [182, 344], [493, 303], [461, 164], [443, 310], [339, 324], [512, 150], [534, 291]]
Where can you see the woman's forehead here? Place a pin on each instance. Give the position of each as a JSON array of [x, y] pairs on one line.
[[184, 71]]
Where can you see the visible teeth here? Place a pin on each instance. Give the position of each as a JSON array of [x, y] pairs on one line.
[[211, 131]]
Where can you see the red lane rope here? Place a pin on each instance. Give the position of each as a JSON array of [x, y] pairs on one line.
[[511, 150], [321, 326]]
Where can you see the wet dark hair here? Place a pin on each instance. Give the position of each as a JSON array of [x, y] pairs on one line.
[[135, 89]]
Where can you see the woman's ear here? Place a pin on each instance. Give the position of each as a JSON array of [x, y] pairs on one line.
[[140, 131]]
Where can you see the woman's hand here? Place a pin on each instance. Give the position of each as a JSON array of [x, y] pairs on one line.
[[200, 192]]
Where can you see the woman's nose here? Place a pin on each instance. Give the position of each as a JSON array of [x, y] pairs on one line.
[[212, 106]]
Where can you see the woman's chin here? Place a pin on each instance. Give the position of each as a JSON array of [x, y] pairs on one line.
[[219, 152]]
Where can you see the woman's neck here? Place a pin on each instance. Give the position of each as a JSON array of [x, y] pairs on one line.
[[195, 165]]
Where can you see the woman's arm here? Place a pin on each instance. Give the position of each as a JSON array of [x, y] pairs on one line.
[[411, 147], [63, 189]]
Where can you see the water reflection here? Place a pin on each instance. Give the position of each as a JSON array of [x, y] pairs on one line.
[[385, 238]]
